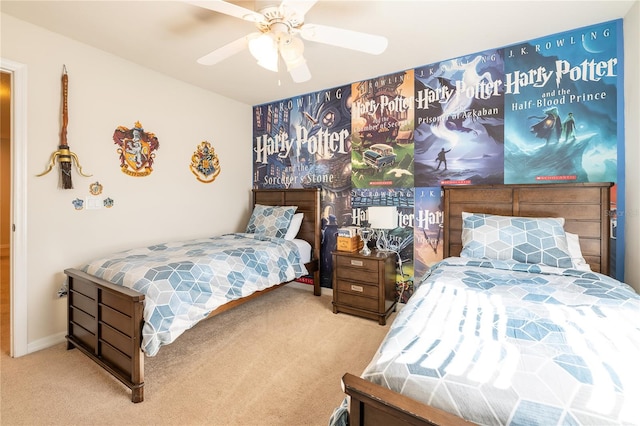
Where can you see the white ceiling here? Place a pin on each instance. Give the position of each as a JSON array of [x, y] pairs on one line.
[[168, 36]]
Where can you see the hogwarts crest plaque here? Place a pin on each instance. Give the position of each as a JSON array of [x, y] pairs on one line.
[[137, 149], [204, 163]]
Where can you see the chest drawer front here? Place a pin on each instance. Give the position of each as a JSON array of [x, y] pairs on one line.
[[358, 275], [358, 301], [357, 289], [359, 263]]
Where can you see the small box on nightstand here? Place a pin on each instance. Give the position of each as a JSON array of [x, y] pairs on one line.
[[350, 244]]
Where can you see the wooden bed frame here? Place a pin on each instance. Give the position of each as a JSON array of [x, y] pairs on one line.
[[105, 320], [585, 207]]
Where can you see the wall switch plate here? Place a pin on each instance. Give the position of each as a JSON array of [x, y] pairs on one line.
[[93, 203]]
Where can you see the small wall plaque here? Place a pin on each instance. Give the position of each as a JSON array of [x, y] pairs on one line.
[[204, 163]]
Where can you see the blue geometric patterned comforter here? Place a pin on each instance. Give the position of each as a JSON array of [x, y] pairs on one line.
[[184, 281], [496, 345]]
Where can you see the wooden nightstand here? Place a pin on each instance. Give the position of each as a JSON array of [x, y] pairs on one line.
[[364, 285]]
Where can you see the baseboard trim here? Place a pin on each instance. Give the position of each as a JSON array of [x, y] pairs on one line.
[[46, 342], [324, 291]]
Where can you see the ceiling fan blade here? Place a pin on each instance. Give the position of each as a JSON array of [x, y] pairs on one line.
[[224, 52], [228, 9], [348, 39], [300, 72], [291, 49], [300, 7]]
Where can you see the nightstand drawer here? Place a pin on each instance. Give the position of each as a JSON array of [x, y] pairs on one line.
[[358, 275], [357, 301], [358, 289], [359, 263]]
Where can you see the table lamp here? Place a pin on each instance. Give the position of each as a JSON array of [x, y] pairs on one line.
[[382, 218]]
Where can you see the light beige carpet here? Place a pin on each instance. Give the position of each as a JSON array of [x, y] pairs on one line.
[[276, 360]]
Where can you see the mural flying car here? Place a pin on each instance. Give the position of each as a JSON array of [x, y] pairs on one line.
[[379, 155]]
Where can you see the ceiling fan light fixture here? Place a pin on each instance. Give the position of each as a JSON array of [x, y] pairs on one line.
[[264, 49], [281, 31], [291, 49], [270, 64]]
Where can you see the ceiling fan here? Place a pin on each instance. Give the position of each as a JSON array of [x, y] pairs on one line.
[[280, 27]]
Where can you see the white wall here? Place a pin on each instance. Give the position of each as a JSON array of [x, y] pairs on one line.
[[632, 138], [106, 92]]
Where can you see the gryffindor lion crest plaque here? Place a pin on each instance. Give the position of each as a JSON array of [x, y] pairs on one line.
[[137, 150], [204, 163]]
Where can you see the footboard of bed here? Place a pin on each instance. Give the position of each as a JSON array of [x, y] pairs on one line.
[[105, 323], [373, 405]]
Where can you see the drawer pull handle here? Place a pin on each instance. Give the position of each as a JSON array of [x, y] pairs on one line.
[[356, 262], [357, 288]]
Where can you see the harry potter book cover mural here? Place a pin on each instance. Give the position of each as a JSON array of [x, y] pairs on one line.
[[541, 111], [561, 95], [382, 125], [305, 142], [460, 121], [428, 228], [400, 237]]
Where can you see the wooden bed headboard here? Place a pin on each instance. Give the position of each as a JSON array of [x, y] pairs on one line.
[[585, 207], [308, 202]]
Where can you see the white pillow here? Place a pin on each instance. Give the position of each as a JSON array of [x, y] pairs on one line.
[[523, 239], [270, 221], [573, 243], [294, 226]]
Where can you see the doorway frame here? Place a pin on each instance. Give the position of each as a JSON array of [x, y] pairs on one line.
[[18, 241]]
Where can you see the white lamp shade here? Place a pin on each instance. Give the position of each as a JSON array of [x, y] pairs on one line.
[[291, 48], [382, 217], [265, 50]]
